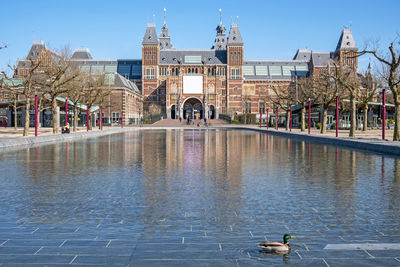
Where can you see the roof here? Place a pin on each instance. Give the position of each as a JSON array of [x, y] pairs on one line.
[[220, 40], [302, 54], [82, 53], [234, 35], [321, 59], [118, 81], [257, 70], [209, 57], [346, 41], [35, 50], [12, 82], [150, 37]]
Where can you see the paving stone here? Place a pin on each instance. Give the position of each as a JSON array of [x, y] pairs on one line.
[[363, 262], [31, 259], [85, 243], [32, 242], [108, 260]]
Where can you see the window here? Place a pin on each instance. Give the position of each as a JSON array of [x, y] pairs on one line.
[[115, 117], [5, 95], [149, 73], [163, 71], [275, 70], [262, 107], [248, 70], [235, 73], [235, 89], [261, 71], [221, 71], [248, 107]]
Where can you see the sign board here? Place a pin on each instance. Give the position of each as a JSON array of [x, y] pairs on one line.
[[193, 84]]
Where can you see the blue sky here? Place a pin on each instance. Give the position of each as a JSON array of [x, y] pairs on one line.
[[270, 29]]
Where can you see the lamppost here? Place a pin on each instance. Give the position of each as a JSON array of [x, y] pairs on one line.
[[36, 111], [66, 111], [383, 114], [101, 118], [267, 118], [87, 117], [309, 116], [260, 116], [290, 117], [277, 117], [337, 115]]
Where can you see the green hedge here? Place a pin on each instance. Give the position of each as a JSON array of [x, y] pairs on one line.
[[246, 118]]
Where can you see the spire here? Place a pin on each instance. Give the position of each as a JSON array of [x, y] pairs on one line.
[[235, 38], [346, 41], [220, 39], [165, 39], [165, 16], [150, 37]]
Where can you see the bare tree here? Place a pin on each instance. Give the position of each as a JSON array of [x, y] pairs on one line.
[[282, 98], [369, 86], [391, 75], [56, 75], [30, 84], [75, 93], [13, 88], [303, 89], [93, 91]]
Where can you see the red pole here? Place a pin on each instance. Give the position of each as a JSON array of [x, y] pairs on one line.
[[101, 118], [36, 115], [309, 116], [277, 117], [290, 117], [122, 119], [66, 111], [267, 118], [260, 117], [337, 116], [383, 114], [87, 117]]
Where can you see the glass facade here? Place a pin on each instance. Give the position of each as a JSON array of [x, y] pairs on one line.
[[131, 69]]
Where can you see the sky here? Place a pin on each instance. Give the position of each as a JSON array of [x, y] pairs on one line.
[[271, 30]]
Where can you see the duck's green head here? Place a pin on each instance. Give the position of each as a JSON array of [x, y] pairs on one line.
[[286, 238]]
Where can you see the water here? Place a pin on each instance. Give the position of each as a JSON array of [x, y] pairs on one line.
[[192, 197]]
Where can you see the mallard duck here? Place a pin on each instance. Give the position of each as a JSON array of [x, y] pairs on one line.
[[277, 247]]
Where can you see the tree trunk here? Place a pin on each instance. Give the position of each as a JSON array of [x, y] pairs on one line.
[[90, 120], [353, 116], [365, 123], [396, 133], [27, 117], [287, 120], [324, 120], [15, 115], [303, 116], [55, 116], [75, 118]]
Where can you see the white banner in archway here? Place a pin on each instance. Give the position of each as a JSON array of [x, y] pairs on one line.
[[193, 84]]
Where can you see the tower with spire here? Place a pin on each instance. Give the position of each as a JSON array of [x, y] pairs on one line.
[[220, 39], [165, 39], [150, 58], [234, 54], [346, 49]]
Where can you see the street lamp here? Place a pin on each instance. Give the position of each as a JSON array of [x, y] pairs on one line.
[[383, 114], [36, 111], [337, 114], [309, 116]]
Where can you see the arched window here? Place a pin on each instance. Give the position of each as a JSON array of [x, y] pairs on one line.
[[189, 70], [196, 70]]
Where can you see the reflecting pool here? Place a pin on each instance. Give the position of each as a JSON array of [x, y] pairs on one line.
[[196, 197]]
